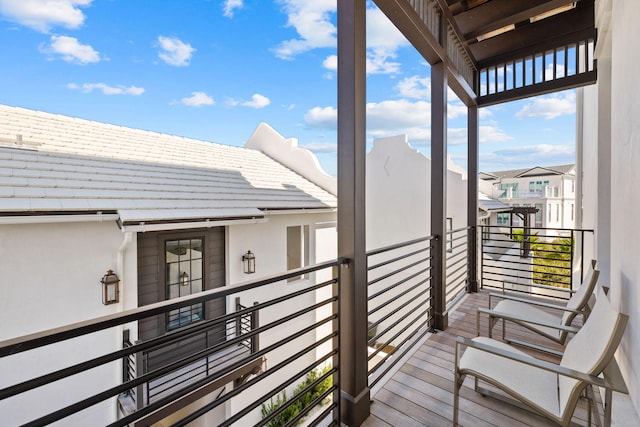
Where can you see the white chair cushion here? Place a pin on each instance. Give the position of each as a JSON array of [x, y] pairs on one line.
[[528, 383], [529, 311]]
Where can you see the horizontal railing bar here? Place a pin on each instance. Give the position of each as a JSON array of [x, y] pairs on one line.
[[390, 340], [39, 339], [461, 245], [398, 245], [399, 258], [454, 239], [325, 413], [423, 326], [201, 411], [461, 275], [393, 313], [191, 387], [399, 270], [406, 291], [64, 412], [395, 285], [587, 230], [93, 363], [452, 264], [288, 403]]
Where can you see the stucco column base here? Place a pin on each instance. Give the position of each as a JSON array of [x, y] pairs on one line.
[[441, 321], [355, 410]]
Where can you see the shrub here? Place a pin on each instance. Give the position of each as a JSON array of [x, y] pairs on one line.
[[301, 401]]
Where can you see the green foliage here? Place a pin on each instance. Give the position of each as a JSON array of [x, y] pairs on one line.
[[302, 400], [551, 260], [552, 263]]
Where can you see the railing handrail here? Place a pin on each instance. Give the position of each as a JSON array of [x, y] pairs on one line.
[[586, 230], [73, 330], [399, 245]]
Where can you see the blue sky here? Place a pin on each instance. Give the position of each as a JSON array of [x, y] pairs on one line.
[[214, 69]]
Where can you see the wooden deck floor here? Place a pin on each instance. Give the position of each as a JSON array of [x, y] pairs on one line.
[[420, 393]]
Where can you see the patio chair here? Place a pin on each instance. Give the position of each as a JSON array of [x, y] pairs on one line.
[[532, 314], [542, 387]]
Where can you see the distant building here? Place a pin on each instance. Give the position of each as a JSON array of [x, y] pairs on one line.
[[551, 190]]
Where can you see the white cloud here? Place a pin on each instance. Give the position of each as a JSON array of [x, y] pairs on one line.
[[197, 99], [174, 51], [230, 6], [378, 62], [415, 87], [106, 89], [42, 15], [331, 63], [491, 133], [322, 117], [549, 107], [71, 50], [516, 157], [257, 101], [484, 113], [312, 22]]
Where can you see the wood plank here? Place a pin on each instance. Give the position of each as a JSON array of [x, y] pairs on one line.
[[421, 391]]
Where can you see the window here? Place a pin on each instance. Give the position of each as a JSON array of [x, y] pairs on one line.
[[549, 210], [449, 235], [539, 215], [557, 212], [183, 276], [297, 248], [503, 218], [572, 211]]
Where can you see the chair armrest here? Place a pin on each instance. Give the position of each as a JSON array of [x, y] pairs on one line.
[[516, 318], [541, 364], [533, 302]]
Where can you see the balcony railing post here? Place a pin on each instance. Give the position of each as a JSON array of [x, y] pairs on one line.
[[439, 192], [255, 324], [472, 197], [355, 393]]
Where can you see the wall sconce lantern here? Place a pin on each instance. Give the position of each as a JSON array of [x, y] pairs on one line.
[[110, 288], [184, 278], [249, 260]]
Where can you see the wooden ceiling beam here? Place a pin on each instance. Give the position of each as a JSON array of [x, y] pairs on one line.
[[525, 37]]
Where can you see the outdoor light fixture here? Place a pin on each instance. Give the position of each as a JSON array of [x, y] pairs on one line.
[[110, 288], [249, 260], [184, 278]]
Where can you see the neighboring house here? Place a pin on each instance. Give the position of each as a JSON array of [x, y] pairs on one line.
[[551, 190], [171, 216]]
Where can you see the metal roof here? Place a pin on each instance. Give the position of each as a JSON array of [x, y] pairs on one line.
[[51, 163]]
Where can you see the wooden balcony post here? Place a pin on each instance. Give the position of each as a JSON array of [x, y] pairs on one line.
[[439, 191], [355, 394], [472, 198]]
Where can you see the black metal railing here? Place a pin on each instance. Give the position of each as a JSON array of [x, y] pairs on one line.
[[399, 302], [298, 348], [542, 261], [457, 262]]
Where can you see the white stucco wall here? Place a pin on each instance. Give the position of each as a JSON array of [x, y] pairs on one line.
[[398, 192], [615, 155], [625, 176], [268, 241], [51, 277]]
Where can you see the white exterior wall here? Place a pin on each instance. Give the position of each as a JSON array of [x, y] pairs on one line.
[[51, 277], [610, 127], [268, 241], [625, 176], [399, 194]]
